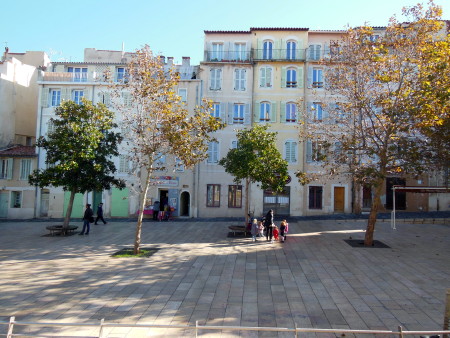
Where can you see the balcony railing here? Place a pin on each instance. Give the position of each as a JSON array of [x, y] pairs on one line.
[[67, 77], [228, 56], [279, 54]]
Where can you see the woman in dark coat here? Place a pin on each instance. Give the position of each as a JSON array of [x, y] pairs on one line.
[[268, 224]]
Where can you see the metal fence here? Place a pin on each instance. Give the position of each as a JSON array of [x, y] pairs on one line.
[[197, 328]]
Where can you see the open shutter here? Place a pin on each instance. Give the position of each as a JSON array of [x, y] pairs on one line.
[[269, 77], [283, 77], [283, 112], [236, 79], [273, 112], [223, 112], [310, 77], [9, 168], [256, 108], [247, 114], [262, 77], [44, 97], [276, 52], [300, 77], [230, 113], [308, 151]]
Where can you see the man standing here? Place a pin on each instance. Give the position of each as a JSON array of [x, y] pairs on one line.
[[88, 215], [100, 214]]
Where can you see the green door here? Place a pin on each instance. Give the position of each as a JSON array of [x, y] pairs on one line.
[[4, 204], [119, 202], [78, 205], [97, 199]]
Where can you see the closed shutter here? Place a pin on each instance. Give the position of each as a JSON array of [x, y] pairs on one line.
[[300, 77], [273, 112], [223, 111], [9, 168]]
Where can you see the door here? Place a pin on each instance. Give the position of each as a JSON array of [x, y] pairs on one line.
[[339, 199], [184, 203], [119, 202], [400, 196], [45, 194], [96, 200], [4, 204], [78, 205]]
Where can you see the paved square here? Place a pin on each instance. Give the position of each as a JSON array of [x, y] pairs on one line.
[[314, 280]]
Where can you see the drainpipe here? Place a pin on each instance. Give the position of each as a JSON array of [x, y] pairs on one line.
[[37, 201]]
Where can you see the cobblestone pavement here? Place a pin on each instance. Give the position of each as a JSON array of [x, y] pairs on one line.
[[313, 280]]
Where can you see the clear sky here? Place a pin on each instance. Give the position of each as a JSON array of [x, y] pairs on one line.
[[172, 28]]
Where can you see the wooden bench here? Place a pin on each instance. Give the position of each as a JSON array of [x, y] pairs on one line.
[[59, 230], [240, 229]]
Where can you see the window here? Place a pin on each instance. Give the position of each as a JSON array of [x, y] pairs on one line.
[[127, 100], [234, 144], [16, 199], [290, 50], [238, 113], [239, 79], [317, 78], [315, 151], [124, 164], [315, 197], [25, 169], [239, 50], [215, 79], [50, 127], [290, 148], [265, 77], [182, 92], [213, 195], [317, 111], [213, 152], [6, 166], [291, 78], [55, 95], [217, 52], [77, 95], [79, 74], [267, 50], [216, 110], [235, 196], [265, 111], [291, 112], [121, 74], [179, 166], [314, 52]]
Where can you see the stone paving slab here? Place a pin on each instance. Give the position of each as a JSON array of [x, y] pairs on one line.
[[313, 280]]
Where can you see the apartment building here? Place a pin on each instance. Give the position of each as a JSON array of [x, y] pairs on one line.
[[91, 79], [19, 98]]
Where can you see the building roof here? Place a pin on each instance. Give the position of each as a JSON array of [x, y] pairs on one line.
[[278, 29], [18, 151], [226, 32]]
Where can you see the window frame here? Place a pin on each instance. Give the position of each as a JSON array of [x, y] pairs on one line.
[[291, 47], [217, 53], [291, 77], [234, 196], [16, 199], [289, 113], [55, 101], [265, 115], [6, 168], [213, 195], [213, 154], [315, 197], [77, 94], [215, 79], [267, 52], [25, 169], [240, 75], [238, 113], [183, 97], [317, 77], [265, 79], [291, 151], [79, 73], [215, 110]]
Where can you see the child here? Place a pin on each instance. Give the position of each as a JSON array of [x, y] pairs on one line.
[[261, 228], [254, 229], [283, 230], [275, 232]]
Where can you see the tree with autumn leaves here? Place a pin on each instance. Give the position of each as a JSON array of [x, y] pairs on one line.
[[159, 124], [388, 108]]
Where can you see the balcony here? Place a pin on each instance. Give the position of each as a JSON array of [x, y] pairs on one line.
[[279, 55], [68, 77], [228, 56]]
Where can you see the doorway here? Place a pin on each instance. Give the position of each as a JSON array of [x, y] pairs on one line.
[[400, 196], [184, 203], [45, 198], [339, 199], [163, 198]]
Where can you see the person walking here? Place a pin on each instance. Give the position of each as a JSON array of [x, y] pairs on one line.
[[87, 218], [100, 214], [268, 224]]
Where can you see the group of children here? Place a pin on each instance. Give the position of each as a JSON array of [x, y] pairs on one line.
[[271, 232]]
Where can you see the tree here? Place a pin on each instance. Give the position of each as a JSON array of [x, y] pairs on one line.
[[159, 124], [370, 131], [256, 159], [78, 151]]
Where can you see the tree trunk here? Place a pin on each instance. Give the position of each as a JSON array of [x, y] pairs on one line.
[[247, 200], [137, 238], [69, 211], [368, 239]]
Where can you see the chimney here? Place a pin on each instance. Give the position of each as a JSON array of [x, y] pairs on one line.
[[170, 61], [186, 61]]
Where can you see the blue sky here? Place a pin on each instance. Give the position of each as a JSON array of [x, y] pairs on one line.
[[172, 28]]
